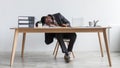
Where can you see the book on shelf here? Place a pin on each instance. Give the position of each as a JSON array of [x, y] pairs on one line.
[[25, 25], [30, 18]]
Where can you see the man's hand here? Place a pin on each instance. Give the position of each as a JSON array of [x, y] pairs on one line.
[[65, 25]]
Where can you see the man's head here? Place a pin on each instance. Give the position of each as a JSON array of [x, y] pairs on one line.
[[47, 19]]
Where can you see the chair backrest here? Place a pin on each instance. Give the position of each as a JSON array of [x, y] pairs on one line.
[[66, 40]]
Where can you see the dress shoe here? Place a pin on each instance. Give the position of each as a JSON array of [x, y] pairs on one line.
[[67, 58]]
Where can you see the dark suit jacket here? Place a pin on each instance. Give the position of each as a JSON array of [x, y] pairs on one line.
[[60, 20]]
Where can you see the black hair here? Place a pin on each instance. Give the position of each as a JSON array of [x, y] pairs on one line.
[[43, 20], [51, 16]]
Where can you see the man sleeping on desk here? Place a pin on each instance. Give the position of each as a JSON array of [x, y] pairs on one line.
[[57, 19]]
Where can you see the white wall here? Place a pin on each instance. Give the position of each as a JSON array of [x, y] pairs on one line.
[[106, 11]]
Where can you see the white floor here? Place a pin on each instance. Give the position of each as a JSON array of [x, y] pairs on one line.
[[46, 60]]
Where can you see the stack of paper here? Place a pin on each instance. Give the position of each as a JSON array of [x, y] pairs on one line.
[[26, 21]]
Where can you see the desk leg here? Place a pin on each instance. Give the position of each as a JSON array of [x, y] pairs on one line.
[[101, 49], [23, 43], [107, 47], [14, 47]]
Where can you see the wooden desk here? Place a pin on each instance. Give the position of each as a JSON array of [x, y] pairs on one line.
[[60, 30]]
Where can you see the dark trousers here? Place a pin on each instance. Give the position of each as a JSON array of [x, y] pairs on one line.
[[61, 36]]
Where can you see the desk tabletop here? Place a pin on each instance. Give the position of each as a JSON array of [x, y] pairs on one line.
[[61, 29]]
